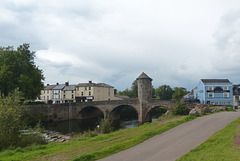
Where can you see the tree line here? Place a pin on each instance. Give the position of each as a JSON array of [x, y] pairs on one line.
[[18, 71], [163, 92]]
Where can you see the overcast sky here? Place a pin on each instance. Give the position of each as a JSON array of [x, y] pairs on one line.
[[113, 41]]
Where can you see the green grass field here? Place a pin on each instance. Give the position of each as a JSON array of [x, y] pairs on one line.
[[219, 147], [82, 148]]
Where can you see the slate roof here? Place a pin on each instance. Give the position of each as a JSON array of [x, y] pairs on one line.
[[60, 86], [215, 80], [49, 87], [144, 76], [94, 85], [69, 88]]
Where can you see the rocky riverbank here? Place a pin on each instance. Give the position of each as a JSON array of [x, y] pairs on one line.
[[52, 136]]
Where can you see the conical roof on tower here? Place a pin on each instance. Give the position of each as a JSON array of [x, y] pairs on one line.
[[144, 76]]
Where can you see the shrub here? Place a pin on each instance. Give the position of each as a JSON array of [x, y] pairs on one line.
[[11, 126], [90, 133], [11, 109], [180, 108], [105, 126]]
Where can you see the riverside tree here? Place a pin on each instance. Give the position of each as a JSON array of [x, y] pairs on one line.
[[164, 92], [132, 93], [18, 70], [11, 110], [179, 92]]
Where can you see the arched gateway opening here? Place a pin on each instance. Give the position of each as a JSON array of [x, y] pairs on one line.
[[124, 116], [156, 112], [90, 112], [89, 117]]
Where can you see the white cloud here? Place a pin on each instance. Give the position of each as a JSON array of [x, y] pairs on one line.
[[114, 41]]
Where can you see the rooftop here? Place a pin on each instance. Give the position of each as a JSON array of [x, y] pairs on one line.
[[69, 88], [144, 76], [94, 85], [215, 80], [49, 87]]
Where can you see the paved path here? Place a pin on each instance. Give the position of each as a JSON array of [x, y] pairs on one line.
[[176, 142]]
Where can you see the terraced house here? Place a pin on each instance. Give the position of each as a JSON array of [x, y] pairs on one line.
[[82, 92], [46, 93], [214, 91], [94, 92]]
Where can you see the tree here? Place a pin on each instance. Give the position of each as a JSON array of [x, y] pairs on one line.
[[164, 92], [179, 92], [17, 70], [132, 93], [180, 108], [135, 89], [11, 111]]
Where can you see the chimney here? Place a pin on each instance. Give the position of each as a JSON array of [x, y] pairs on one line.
[[90, 82], [57, 83], [66, 83]]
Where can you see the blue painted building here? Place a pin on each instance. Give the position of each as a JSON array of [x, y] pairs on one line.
[[214, 91]]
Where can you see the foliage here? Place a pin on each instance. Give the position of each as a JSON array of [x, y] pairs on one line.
[[12, 125], [153, 92], [90, 133], [128, 113], [218, 147], [164, 92], [179, 92], [105, 126], [231, 109], [92, 148], [132, 93], [159, 111], [11, 110], [50, 102], [17, 70], [180, 108], [32, 136]]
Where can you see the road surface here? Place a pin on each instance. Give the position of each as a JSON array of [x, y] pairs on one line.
[[178, 141]]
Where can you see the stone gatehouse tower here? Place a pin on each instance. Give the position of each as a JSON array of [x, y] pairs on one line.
[[144, 95]]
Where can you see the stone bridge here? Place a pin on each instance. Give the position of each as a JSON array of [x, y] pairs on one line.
[[111, 109]]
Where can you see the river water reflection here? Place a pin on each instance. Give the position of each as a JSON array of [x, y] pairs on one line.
[[79, 126]]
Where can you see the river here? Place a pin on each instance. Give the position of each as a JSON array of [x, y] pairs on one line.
[[79, 126]]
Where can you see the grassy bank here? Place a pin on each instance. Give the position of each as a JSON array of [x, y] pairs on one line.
[[82, 148], [218, 147]]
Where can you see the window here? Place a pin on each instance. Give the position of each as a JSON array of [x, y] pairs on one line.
[[47, 91], [64, 96], [237, 97], [44, 98], [225, 88], [210, 95], [210, 88], [89, 88], [47, 97], [82, 93], [225, 95], [89, 93], [72, 91], [85, 88], [72, 95]]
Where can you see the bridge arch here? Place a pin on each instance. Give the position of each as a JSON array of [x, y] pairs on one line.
[[156, 111], [90, 112], [129, 112]]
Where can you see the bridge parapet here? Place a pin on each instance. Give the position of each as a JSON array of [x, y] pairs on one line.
[[109, 102]]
